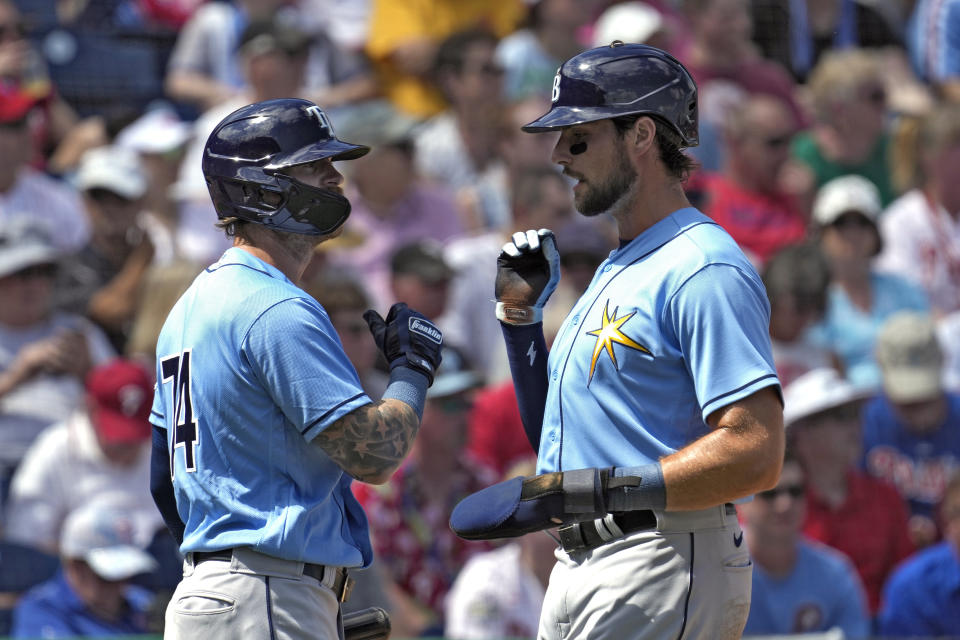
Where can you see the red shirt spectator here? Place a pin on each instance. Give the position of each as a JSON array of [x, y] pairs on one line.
[[496, 437]]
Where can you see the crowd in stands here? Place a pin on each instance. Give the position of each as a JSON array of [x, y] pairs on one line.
[[829, 150]]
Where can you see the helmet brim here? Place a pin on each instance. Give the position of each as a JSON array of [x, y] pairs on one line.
[[560, 117], [330, 148]]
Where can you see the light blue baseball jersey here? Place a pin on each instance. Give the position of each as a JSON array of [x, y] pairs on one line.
[[249, 371], [674, 326]]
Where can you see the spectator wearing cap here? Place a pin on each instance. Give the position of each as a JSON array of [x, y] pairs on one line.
[[45, 354], [159, 138], [910, 434], [859, 297], [921, 230], [103, 279], [392, 205], [206, 65], [796, 279], [862, 516], [751, 197], [420, 276], [799, 585], [409, 515], [26, 192], [102, 450], [92, 595], [922, 598]]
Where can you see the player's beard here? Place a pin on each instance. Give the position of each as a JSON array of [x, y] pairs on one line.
[[596, 200]]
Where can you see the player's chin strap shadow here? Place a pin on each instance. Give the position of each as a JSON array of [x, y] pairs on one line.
[[521, 505]]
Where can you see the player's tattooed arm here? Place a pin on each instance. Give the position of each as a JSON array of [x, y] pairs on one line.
[[369, 443]]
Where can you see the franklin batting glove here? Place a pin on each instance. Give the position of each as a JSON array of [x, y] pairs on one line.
[[407, 339], [528, 270]]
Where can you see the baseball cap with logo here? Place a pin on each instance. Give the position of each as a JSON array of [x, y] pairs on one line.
[[102, 535], [910, 357], [113, 168], [817, 391], [121, 393]]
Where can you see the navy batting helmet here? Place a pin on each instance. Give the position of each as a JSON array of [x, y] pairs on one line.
[[246, 155], [619, 80]]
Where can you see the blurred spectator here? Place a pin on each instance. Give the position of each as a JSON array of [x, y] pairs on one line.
[[346, 22], [159, 137], [101, 451], [863, 517], [273, 59], [23, 75], [92, 595], [933, 45], [44, 354], [391, 203], [910, 430], [849, 135], [25, 192], [104, 279], [404, 37], [540, 198], [796, 34], [726, 64], [531, 56], [459, 147], [409, 515], [420, 276], [499, 593], [922, 599], [345, 299], [799, 586], [859, 298], [205, 69], [751, 197], [921, 230], [796, 279]]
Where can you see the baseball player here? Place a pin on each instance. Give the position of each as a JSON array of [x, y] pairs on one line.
[[259, 418], [659, 404]]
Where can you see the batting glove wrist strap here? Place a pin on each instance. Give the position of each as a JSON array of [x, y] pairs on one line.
[[409, 386], [518, 314], [636, 488], [407, 339]]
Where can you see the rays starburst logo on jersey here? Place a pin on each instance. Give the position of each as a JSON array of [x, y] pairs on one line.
[[610, 333]]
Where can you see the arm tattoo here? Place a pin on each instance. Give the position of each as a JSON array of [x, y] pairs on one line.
[[371, 441]]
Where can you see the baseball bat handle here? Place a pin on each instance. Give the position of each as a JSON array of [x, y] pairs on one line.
[[372, 623]]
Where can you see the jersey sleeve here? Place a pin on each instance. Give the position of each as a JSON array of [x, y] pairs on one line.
[[721, 317], [295, 351]]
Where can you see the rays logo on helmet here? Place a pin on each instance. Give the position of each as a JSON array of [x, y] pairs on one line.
[[555, 92], [426, 329], [321, 117]]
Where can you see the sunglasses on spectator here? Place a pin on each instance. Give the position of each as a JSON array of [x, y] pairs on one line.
[[852, 219], [453, 404], [778, 142], [794, 491], [36, 271]]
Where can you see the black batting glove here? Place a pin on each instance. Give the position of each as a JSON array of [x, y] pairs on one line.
[[407, 339], [528, 269]]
